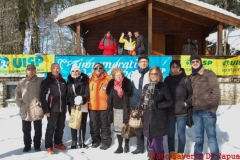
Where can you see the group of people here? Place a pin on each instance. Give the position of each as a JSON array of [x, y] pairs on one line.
[[164, 106], [133, 45]]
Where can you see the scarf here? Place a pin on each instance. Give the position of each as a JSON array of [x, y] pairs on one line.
[[142, 72], [118, 87], [148, 97], [195, 71]]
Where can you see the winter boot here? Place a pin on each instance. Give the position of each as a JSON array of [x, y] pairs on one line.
[[74, 145], [179, 156], [172, 155]]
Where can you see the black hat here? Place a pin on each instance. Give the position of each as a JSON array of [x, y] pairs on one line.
[[177, 62], [143, 57], [195, 56]]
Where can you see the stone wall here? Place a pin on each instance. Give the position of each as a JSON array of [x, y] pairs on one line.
[[3, 88], [229, 86]]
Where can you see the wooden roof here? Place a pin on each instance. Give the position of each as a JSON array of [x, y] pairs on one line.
[[177, 8]]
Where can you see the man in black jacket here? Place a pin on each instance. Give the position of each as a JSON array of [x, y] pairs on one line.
[[140, 48], [53, 100]]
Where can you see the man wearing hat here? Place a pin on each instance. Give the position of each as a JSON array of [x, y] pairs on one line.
[[205, 101], [139, 79], [27, 95], [108, 44]]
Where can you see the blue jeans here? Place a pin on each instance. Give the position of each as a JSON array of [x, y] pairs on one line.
[[139, 51], [205, 120], [181, 130]]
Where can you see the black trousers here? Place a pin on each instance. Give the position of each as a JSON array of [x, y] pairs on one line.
[[100, 128], [140, 138], [82, 128], [55, 126], [26, 128]]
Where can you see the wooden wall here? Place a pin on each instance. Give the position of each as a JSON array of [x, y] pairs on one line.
[[176, 31]]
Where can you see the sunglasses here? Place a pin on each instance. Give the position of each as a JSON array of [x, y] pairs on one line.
[[196, 61], [98, 68]]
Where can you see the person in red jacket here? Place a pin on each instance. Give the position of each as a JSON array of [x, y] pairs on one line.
[[108, 44]]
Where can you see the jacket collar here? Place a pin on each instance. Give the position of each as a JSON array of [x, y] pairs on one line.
[[201, 71]]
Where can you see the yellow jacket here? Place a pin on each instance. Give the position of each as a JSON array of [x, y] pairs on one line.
[[128, 44]]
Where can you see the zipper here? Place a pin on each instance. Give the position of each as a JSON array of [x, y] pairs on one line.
[[60, 95], [100, 86]]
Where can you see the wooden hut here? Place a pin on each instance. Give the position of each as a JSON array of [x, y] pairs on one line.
[[165, 24]]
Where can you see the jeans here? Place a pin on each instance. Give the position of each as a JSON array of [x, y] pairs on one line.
[[205, 120], [139, 51], [181, 130]]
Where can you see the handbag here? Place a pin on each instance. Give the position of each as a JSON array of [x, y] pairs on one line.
[[189, 122], [75, 118], [136, 117], [127, 131]]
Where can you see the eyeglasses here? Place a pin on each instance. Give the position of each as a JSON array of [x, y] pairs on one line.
[[98, 68], [143, 61], [153, 74], [175, 67], [196, 61], [118, 75]]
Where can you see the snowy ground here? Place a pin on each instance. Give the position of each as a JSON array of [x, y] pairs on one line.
[[11, 141]]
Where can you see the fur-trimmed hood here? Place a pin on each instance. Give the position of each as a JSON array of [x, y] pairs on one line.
[[83, 78], [126, 86]]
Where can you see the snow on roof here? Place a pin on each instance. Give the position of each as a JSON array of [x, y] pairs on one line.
[[233, 38], [82, 8], [211, 7]]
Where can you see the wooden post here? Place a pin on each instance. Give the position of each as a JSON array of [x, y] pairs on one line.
[[78, 29], [219, 38], [149, 27]]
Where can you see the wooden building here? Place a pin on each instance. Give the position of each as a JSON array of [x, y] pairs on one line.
[[165, 24]]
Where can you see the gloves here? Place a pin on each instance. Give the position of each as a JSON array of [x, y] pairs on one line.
[[78, 100]]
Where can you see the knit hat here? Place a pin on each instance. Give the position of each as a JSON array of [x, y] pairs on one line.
[[195, 56], [31, 66], [177, 62], [75, 67], [143, 57]]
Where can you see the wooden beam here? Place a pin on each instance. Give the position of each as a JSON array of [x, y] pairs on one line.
[[219, 38], [150, 27], [181, 16], [78, 29], [201, 11]]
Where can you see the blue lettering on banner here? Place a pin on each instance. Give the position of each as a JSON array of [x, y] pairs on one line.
[[23, 62], [127, 63]]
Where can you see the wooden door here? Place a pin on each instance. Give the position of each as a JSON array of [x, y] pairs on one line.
[[158, 44]]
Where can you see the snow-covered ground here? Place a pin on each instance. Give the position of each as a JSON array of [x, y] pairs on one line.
[[11, 139]]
